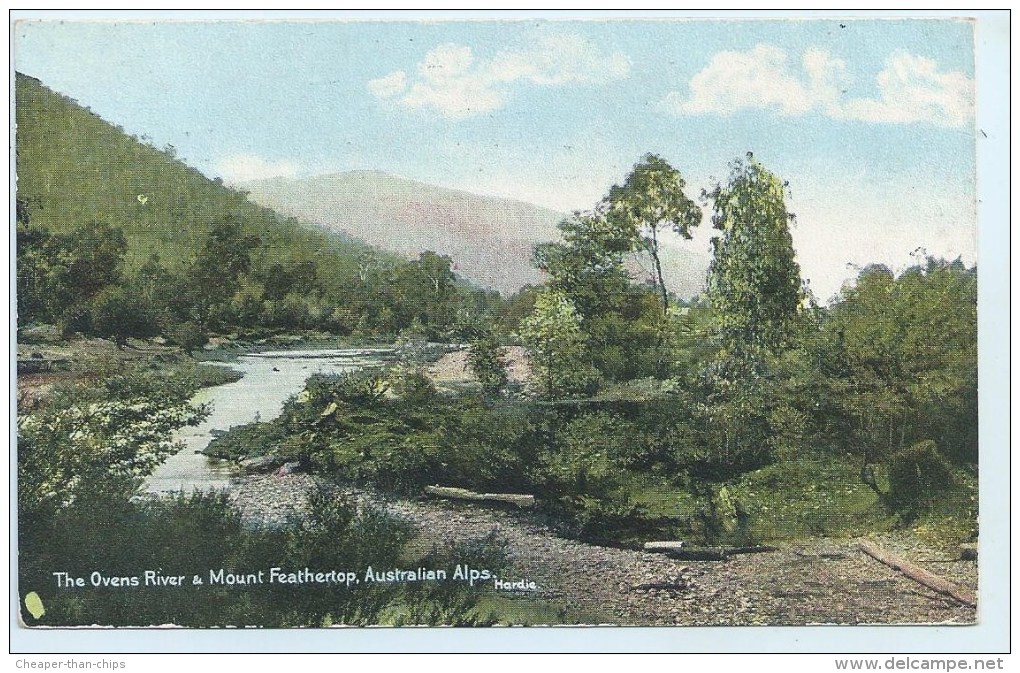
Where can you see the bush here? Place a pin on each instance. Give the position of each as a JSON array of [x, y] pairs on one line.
[[919, 476], [188, 336], [488, 363]]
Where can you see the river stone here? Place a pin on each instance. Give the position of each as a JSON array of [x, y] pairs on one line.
[[288, 468], [260, 463]]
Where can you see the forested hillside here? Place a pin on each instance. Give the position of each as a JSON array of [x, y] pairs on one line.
[[118, 238]]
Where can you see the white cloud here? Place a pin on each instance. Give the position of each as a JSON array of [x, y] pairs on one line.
[[911, 88], [388, 86], [450, 81], [240, 168]]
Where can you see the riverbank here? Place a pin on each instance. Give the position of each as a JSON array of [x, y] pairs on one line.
[[813, 581]]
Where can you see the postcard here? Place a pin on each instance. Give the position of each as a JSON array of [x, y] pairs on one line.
[[497, 321]]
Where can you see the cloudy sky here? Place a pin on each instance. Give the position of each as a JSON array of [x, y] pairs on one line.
[[870, 121]]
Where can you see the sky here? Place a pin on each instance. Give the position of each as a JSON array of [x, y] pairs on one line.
[[870, 121]]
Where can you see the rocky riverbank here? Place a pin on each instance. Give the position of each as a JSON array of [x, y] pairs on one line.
[[816, 581]]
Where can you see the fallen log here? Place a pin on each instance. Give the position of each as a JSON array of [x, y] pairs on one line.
[[453, 493], [919, 575], [678, 550]]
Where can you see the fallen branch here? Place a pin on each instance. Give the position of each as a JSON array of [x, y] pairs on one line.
[[680, 551], [453, 493], [919, 575]]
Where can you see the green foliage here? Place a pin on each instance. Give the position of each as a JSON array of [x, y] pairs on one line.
[[247, 441], [554, 336], [189, 336], [99, 440], [754, 281], [897, 362], [488, 362], [918, 477], [650, 200], [118, 314]]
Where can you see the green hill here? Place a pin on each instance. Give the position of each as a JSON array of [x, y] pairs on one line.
[[73, 167], [112, 232]]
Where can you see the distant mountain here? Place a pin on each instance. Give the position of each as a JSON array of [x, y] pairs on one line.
[[490, 239]]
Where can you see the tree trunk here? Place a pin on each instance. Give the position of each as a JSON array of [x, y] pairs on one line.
[[654, 250]]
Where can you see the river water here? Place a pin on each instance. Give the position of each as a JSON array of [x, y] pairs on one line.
[[269, 380]]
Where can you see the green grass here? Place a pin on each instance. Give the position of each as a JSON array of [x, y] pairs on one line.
[[810, 496]]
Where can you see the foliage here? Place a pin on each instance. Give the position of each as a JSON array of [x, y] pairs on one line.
[[754, 281], [650, 200], [897, 362], [103, 439], [918, 477], [554, 336], [488, 362], [118, 314]]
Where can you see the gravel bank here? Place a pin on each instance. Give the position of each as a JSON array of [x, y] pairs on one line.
[[813, 582]]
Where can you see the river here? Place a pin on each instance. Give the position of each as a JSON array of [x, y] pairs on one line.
[[269, 379]]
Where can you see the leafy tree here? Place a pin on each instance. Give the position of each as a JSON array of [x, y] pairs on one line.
[[754, 280], [554, 336], [488, 362], [652, 200], [898, 361], [117, 313], [215, 273], [588, 266], [33, 271], [88, 440]]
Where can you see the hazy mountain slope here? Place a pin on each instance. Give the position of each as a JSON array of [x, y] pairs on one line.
[[489, 238]]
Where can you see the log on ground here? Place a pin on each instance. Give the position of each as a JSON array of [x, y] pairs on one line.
[[919, 575], [679, 550], [453, 493]]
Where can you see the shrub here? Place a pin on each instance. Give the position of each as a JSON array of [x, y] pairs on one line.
[[488, 363], [919, 476]]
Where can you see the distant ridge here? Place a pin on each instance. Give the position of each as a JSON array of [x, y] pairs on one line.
[[489, 238]]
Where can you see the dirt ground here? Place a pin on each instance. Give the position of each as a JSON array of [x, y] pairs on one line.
[[816, 581], [453, 368]]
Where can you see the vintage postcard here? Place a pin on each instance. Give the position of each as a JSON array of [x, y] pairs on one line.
[[627, 321]]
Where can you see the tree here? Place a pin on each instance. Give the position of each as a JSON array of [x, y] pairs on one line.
[[651, 200], [216, 272], [554, 336], [118, 314], [488, 361], [754, 280], [898, 359], [588, 266]]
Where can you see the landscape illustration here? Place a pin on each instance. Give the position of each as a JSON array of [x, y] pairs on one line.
[[345, 323]]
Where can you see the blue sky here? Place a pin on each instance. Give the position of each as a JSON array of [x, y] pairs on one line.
[[870, 121]]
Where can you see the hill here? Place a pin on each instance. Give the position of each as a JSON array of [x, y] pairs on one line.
[[489, 238], [74, 167]]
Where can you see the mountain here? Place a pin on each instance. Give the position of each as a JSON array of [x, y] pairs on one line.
[[490, 239], [73, 167]]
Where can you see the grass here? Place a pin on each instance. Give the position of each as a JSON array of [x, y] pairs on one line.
[[809, 496]]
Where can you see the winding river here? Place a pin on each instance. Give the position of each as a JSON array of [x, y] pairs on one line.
[[270, 378]]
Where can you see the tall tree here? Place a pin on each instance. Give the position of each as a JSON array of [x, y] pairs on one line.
[[553, 335], [650, 201], [754, 280]]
